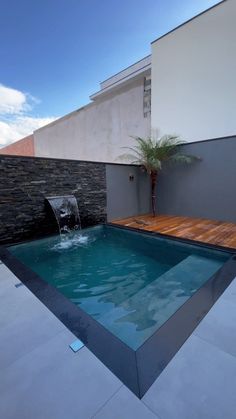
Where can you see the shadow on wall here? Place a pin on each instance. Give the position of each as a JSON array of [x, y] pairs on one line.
[[128, 191], [205, 189]]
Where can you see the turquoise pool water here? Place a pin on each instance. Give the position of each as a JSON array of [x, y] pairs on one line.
[[128, 281]]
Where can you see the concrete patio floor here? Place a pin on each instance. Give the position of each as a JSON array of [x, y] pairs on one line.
[[42, 378]]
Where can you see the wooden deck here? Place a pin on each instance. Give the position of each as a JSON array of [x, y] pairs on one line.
[[198, 229]]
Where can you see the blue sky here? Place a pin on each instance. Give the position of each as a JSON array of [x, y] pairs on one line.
[[54, 53]]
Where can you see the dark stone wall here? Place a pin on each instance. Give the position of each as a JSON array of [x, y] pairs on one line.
[[24, 183]]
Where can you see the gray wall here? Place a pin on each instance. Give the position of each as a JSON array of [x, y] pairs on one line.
[[206, 188], [24, 183], [124, 197]]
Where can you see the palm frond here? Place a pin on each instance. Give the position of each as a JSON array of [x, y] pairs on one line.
[[151, 153]]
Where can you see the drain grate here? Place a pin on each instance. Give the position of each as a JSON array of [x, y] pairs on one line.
[[76, 345]]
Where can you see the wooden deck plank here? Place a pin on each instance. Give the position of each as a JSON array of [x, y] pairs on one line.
[[198, 229]]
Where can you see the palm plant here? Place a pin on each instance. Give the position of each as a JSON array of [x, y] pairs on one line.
[[152, 153]]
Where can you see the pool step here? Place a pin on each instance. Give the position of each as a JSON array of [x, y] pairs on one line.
[[119, 288], [138, 317]]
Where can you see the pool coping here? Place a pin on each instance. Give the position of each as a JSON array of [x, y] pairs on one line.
[[137, 369]]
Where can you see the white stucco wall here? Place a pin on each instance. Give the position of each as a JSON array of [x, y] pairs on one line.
[[98, 131], [194, 77]]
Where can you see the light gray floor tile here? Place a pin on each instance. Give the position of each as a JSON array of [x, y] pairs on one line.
[[14, 302], [25, 323], [17, 302], [54, 382], [219, 326], [230, 292], [125, 405], [7, 278], [198, 383]]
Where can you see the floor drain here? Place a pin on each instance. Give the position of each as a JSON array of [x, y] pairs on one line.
[[19, 285], [76, 345]]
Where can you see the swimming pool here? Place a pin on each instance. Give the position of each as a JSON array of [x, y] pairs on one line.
[[131, 286]]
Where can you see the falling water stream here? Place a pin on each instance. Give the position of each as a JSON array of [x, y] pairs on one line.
[[66, 211]]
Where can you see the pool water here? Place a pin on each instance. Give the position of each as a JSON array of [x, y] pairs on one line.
[[128, 281]]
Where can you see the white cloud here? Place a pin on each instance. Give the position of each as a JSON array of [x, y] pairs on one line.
[[20, 127], [15, 119], [11, 100]]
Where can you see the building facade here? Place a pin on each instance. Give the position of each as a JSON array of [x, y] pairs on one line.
[[100, 130], [193, 76], [185, 87]]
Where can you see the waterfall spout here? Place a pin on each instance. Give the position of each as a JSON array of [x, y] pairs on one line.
[[66, 211]]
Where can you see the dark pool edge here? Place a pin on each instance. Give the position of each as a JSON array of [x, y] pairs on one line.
[[136, 369]]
